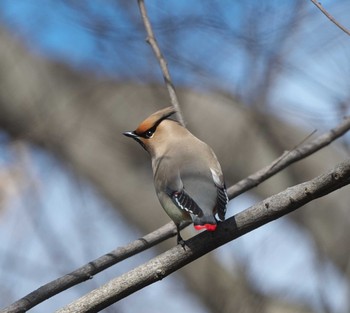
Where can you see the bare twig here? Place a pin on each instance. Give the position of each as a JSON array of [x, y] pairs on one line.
[[288, 158], [162, 62], [330, 17], [242, 223], [286, 153], [96, 266]]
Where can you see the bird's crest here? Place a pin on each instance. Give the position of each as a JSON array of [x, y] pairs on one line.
[[154, 120]]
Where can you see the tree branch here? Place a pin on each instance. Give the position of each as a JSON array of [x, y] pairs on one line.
[[288, 158], [96, 266], [90, 269], [330, 17], [162, 62], [242, 223]]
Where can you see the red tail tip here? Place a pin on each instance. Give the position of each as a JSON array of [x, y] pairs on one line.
[[208, 227]]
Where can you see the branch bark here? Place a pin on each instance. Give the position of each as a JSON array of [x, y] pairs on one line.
[[236, 226], [288, 158], [330, 17], [151, 39], [90, 269]]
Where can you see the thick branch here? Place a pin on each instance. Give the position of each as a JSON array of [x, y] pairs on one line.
[[96, 266], [330, 17], [90, 269], [151, 39], [242, 223]]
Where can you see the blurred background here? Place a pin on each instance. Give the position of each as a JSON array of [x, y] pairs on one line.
[[254, 79]]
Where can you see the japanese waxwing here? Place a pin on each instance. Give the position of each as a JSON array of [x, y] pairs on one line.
[[187, 175]]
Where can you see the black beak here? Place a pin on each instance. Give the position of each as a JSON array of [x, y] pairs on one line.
[[133, 135], [130, 134]]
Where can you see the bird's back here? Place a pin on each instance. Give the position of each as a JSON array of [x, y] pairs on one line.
[[184, 164]]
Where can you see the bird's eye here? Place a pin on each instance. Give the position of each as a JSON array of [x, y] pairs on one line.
[[149, 133]]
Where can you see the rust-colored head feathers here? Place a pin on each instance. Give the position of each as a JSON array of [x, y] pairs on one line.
[[147, 128], [154, 120]]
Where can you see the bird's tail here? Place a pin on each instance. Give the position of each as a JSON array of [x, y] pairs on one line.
[[205, 222]]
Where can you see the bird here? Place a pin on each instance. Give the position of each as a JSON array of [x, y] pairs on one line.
[[187, 175]]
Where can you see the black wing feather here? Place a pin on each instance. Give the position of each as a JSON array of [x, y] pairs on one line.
[[184, 202], [222, 200]]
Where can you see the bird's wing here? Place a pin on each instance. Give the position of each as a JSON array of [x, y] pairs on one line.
[[168, 179], [184, 202], [222, 198]]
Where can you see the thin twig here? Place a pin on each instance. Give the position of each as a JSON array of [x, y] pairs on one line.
[[242, 223], [96, 266], [286, 153], [288, 158], [151, 39], [330, 17]]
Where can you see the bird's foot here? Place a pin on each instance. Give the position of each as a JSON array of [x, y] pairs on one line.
[[181, 242]]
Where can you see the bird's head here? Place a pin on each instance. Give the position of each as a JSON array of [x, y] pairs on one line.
[[148, 133]]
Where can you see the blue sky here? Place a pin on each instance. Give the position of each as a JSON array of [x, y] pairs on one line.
[[63, 32]]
